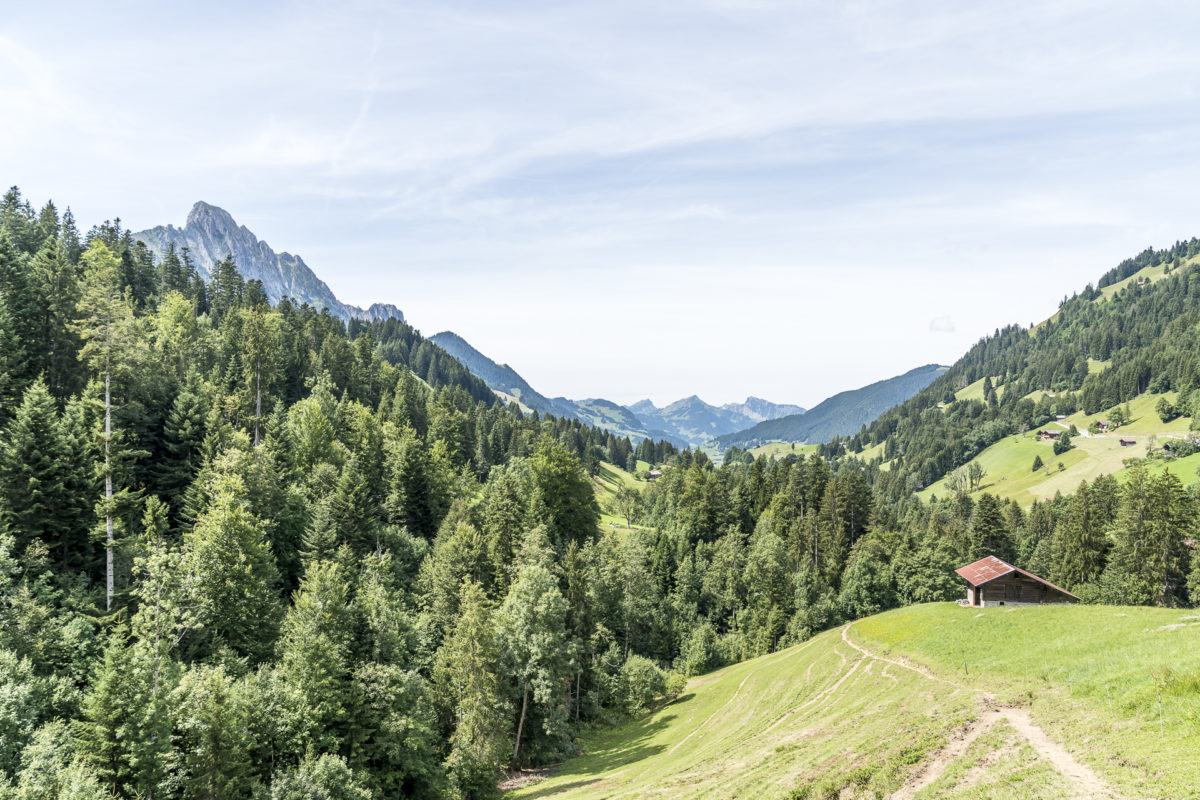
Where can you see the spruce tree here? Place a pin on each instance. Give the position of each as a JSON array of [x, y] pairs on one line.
[[34, 474], [232, 574], [989, 534]]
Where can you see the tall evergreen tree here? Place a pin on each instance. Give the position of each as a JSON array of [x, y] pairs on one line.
[[106, 327], [466, 674], [36, 477]]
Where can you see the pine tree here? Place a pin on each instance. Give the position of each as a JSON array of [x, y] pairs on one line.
[[412, 500], [184, 433], [211, 712], [260, 365], [314, 659], [1079, 544], [21, 313]]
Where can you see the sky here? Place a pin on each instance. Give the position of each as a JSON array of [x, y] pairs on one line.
[[630, 199]]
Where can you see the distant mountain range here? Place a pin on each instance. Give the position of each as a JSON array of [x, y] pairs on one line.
[[693, 420], [687, 423], [841, 415], [210, 234]]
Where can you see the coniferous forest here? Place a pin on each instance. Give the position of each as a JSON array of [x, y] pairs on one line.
[[250, 551]]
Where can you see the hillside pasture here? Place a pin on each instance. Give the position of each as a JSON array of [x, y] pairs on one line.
[[932, 701], [1008, 463], [783, 449]]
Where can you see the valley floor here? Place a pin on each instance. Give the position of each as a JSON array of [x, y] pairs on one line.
[[934, 701]]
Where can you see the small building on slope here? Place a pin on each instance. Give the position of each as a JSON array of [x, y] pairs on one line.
[[993, 582]]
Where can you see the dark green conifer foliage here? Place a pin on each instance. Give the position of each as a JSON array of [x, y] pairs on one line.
[[35, 475], [989, 533], [466, 676], [566, 503]]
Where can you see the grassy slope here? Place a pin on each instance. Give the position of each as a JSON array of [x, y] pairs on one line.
[[783, 449], [1009, 461], [608, 480], [820, 715]]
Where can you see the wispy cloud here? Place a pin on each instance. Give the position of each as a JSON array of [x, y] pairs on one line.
[[710, 166]]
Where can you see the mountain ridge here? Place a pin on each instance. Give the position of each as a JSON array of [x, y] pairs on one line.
[[689, 421], [843, 414], [210, 234]]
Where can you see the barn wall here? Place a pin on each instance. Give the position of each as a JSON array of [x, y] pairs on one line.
[[1019, 590]]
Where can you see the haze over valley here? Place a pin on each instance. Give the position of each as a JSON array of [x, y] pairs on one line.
[[589, 401]]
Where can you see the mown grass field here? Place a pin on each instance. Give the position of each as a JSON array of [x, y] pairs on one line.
[[1009, 462], [783, 449], [607, 481], [842, 716]]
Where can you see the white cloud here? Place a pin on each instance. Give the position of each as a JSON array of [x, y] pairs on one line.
[[787, 190], [942, 324]]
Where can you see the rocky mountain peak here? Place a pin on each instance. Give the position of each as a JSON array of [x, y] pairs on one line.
[[206, 214], [211, 234]]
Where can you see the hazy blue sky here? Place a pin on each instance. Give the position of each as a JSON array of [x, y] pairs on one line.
[[635, 199]]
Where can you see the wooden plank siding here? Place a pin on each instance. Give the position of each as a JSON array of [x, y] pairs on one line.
[[1016, 589]]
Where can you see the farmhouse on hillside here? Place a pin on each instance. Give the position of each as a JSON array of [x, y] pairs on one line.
[[992, 582], [1046, 435], [1128, 442]]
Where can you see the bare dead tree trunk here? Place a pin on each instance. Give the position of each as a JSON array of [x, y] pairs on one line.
[[520, 726], [257, 396], [108, 490]]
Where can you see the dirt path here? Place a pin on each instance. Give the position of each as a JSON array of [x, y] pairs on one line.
[[932, 769], [1085, 783]]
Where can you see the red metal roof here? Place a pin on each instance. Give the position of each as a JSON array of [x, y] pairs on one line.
[[989, 568]]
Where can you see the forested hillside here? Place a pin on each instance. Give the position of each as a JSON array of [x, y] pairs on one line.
[[840, 415], [248, 551], [1103, 348]]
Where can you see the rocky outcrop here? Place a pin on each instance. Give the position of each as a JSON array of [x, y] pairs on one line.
[[210, 234]]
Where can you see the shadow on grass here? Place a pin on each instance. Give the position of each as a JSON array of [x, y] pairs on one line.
[[608, 751]]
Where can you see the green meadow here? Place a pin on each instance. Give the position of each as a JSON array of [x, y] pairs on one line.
[[1008, 463], [924, 702]]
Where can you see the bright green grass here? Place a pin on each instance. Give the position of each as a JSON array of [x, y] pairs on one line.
[[782, 449], [608, 480], [765, 727], [974, 391], [1096, 366], [1091, 673], [821, 717], [1009, 462], [1150, 274], [874, 451]]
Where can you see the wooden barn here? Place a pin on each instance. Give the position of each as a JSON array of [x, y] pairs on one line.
[[992, 582]]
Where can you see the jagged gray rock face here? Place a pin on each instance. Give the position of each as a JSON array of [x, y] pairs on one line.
[[210, 234], [760, 410]]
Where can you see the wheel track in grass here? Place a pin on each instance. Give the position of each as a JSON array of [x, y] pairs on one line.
[[1085, 783], [734, 697]]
